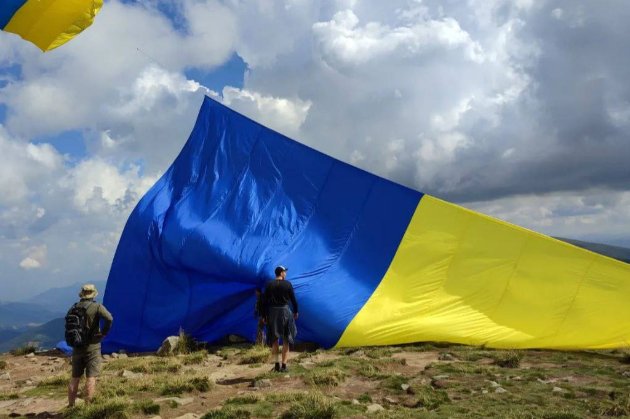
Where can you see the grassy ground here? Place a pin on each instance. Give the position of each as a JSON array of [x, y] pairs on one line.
[[416, 381]]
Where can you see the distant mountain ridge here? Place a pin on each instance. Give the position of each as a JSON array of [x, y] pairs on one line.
[[615, 252], [60, 299], [46, 336]]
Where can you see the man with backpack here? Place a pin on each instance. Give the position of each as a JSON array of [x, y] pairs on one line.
[[84, 335], [280, 319]]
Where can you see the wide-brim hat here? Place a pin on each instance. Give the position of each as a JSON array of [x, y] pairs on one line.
[[88, 291]]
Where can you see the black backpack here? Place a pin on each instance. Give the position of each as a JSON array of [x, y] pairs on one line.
[[77, 332]]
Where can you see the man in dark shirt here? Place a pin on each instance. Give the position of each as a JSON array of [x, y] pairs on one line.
[[278, 316], [88, 358]]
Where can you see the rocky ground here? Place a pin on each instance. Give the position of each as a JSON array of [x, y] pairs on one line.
[[426, 380]]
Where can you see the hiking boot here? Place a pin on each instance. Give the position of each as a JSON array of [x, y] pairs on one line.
[[284, 368], [276, 367]]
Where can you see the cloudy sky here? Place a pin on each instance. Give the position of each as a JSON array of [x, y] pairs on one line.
[[516, 108]]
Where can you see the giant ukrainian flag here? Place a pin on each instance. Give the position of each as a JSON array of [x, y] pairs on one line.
[[47, 23], [372, 262]]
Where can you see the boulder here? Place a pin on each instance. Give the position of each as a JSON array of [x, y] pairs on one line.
[[168, 346]]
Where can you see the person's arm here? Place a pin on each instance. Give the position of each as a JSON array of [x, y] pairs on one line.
[[107, 319], [264, 305], [293, 300]]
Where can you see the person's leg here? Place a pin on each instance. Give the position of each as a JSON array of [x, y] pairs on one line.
[[92, 370], [73, 390], [90, 389], [275, 350], [285, 353], [78, 367]]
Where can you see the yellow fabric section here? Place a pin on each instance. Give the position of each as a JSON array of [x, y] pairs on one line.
[[459, 276], [51, 23]]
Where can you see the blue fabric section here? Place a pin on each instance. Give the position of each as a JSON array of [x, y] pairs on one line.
[[239, 200], [8, 9]]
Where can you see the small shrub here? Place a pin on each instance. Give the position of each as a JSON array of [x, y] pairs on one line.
[[183, 385], [101, 409], [312, 406], [394, 382], [186, 344], [227, 413], [24, 350], [255, 355], [507, 359], [326, 377], [56, 381], [365, 398], [3, 365], [625, 358], [247, 399], [378, 353], [561, 415], [147, 407], [195, 358], [430, 398]]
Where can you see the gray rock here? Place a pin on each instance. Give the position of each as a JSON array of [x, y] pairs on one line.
[[558, 390], [374, 408], [123, 355], [32, 354], [500, 390], [5, 376], [440, 377], [390, 400], [129, 374], [188, 416], [168, 346], [494, 384], [114, 355], [261, 383], [355, 402], [405, 387]]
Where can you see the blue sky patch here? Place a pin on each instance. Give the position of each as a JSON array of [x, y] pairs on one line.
[[232, 73]]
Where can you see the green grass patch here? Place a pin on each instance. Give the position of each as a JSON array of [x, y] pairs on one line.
[[507, 359], [240, 400], [101, 409], [9, 396], [380, 352], [54, 382], [145, 365], [185, 385], [326, 376], [394, 382], [430, 398], [228, 412], [312, 406], [195, 358], [147, 407], [365, 398], [255, 355]]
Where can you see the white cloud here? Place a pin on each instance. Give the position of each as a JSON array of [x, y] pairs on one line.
[[282, 114], [36, 257]]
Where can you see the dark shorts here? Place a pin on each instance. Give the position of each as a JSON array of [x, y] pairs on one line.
[[88, 362], [281, 325]]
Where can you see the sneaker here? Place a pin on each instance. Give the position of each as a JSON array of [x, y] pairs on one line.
[[284, 369], [276, 367]]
